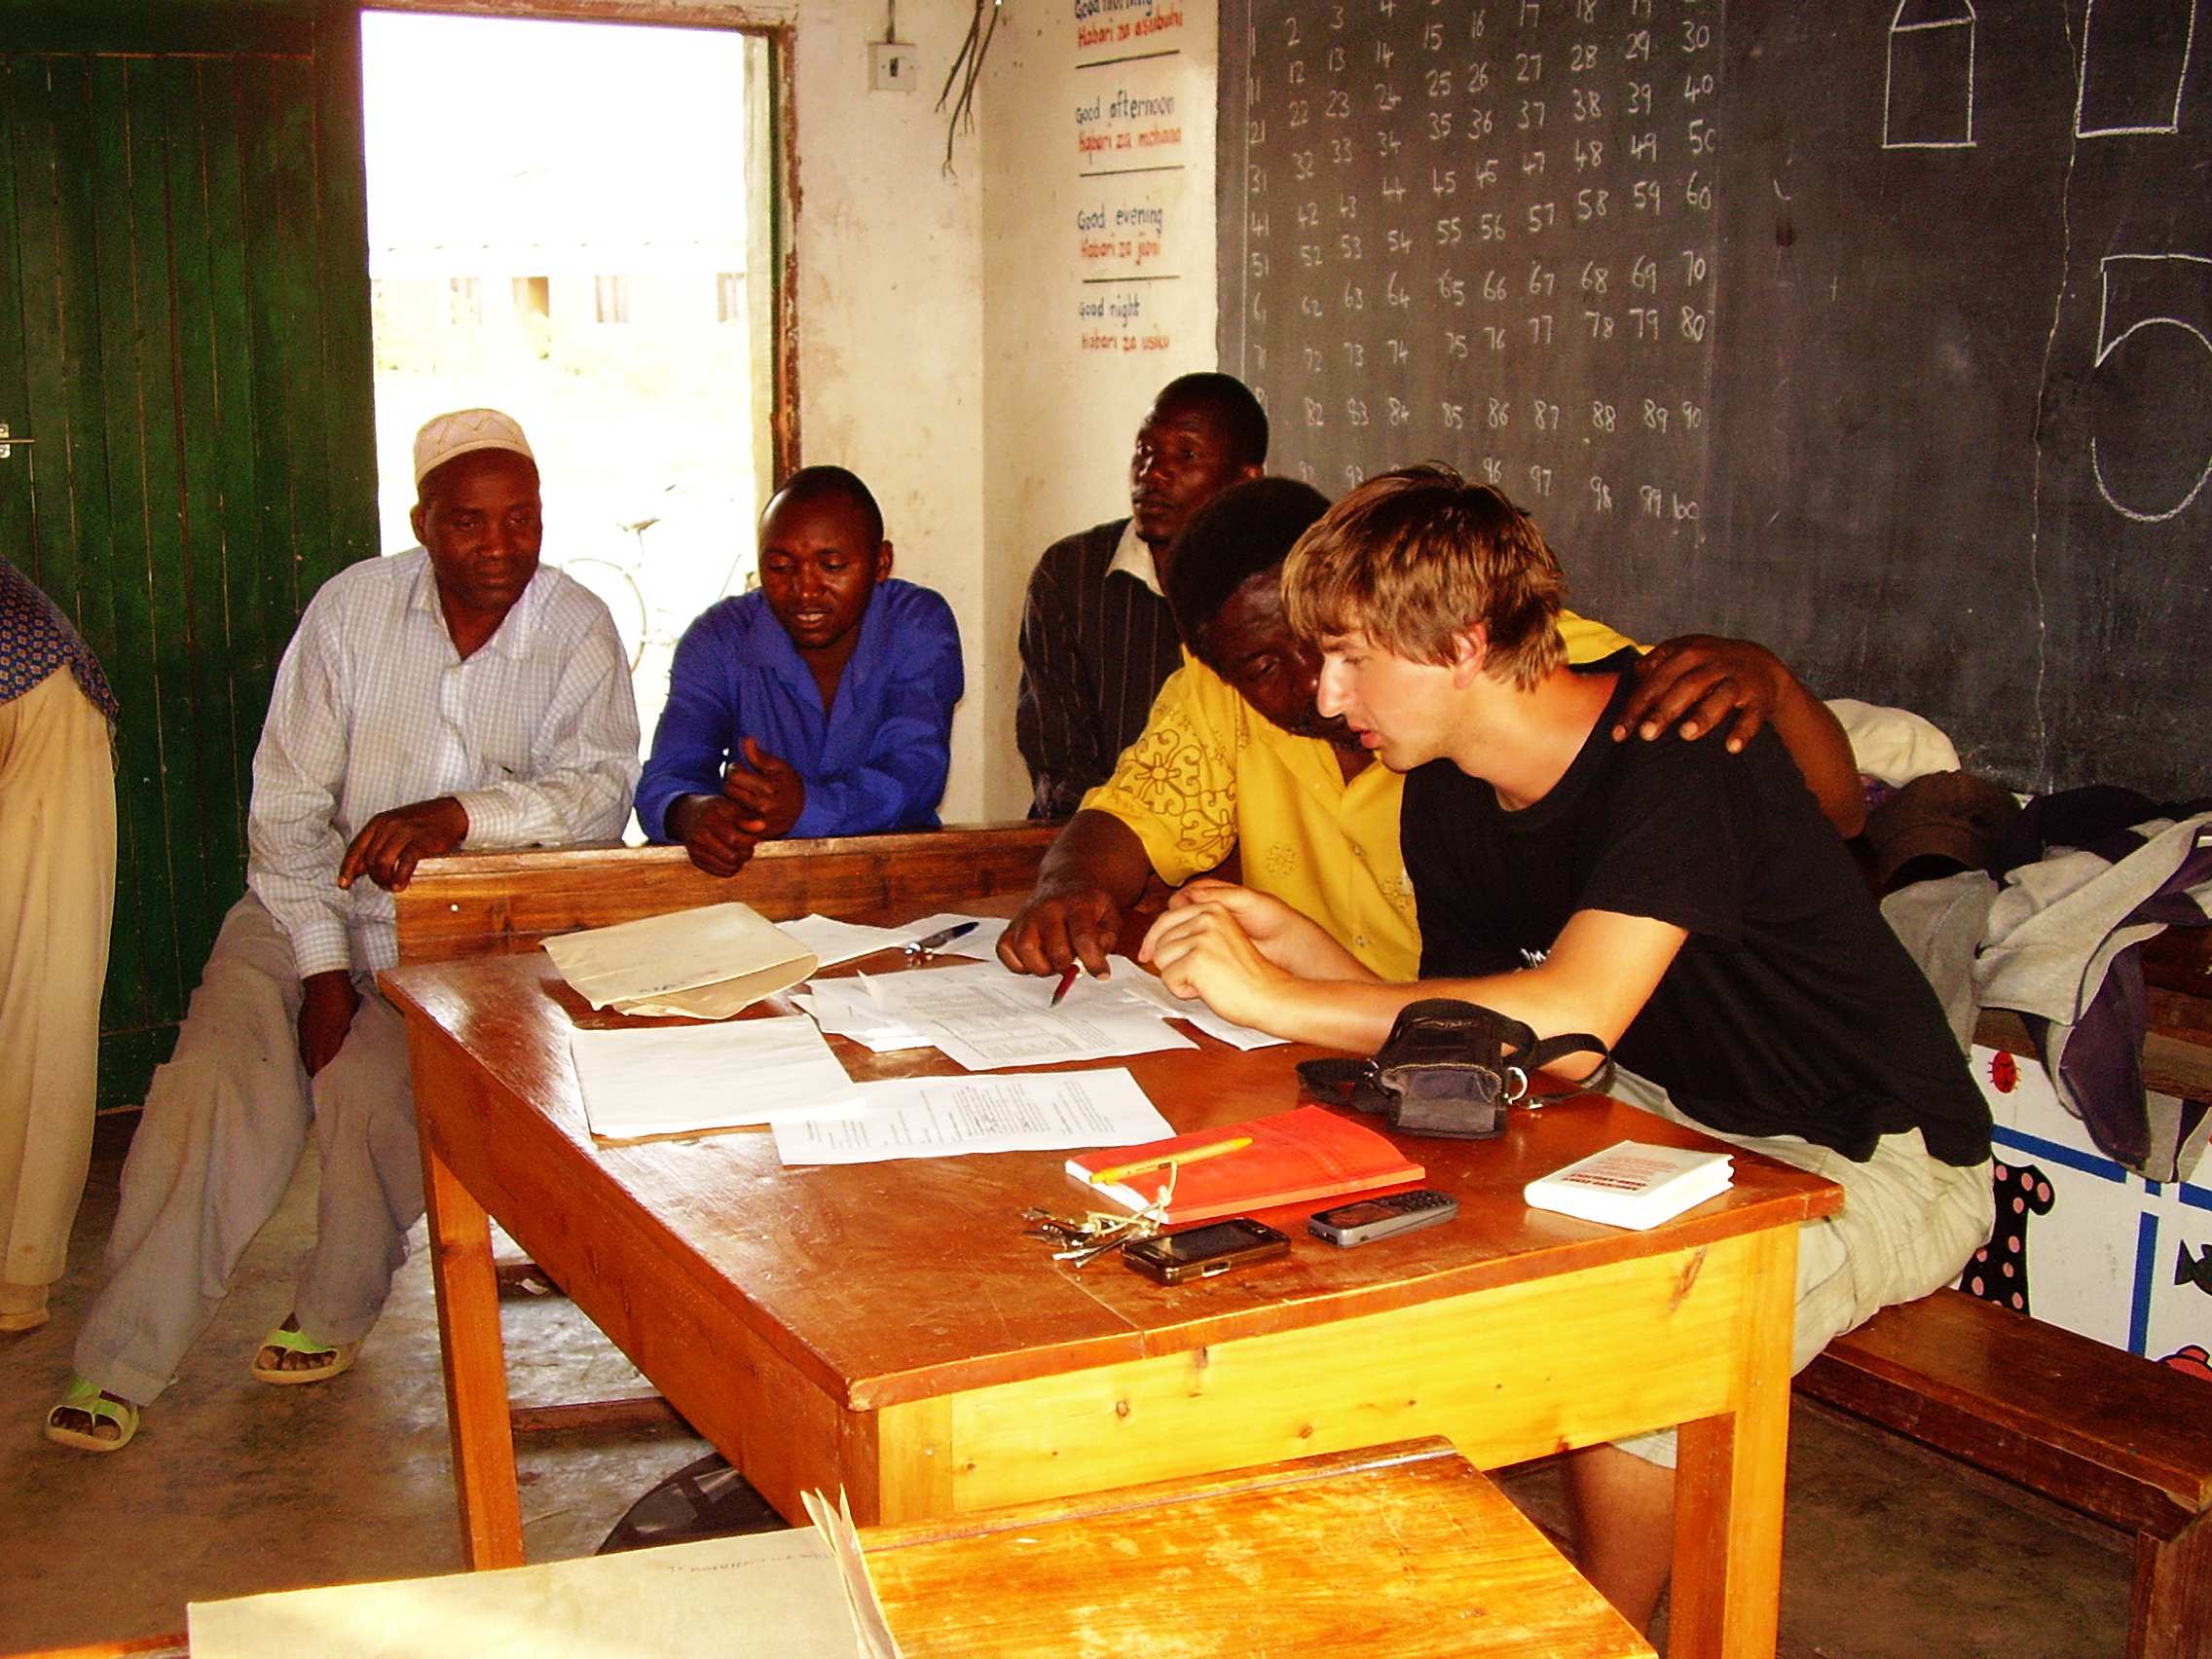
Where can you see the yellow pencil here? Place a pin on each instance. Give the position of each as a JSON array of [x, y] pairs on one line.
[[1193, 1154]]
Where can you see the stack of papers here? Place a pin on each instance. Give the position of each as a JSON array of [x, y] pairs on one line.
[[703, 963], [673, 1080], [709, 963]]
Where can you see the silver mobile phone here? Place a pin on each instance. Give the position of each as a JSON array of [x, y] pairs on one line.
[[1367, 1219]]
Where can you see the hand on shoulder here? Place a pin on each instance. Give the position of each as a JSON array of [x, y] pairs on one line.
[[1697, 682]]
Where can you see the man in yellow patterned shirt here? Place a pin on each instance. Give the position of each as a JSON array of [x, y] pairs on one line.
[[1237, 759]]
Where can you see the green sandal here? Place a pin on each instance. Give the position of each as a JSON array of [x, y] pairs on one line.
[[85, 1398], [340, 1357]]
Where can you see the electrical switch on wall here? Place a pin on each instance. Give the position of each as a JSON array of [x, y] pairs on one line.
[[890, 67]]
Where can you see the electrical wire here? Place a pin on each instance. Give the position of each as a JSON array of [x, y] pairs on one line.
[[967, 67]]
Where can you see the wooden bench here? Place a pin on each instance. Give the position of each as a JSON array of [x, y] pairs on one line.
[[2118, 1438], [2111, 1436]]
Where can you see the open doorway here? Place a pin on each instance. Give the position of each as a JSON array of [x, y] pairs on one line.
[[570, 221]]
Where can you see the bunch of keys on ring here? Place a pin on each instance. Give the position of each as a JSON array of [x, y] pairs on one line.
[[1099, 1231]]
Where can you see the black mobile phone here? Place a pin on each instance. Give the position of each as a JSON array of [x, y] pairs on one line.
[[1201, 1252], [1369, 1219]]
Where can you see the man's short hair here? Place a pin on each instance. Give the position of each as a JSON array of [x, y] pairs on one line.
[[1230, 402], [833, 483], [1245, 531], [1413, 558]]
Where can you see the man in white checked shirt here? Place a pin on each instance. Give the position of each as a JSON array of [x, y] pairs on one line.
[[455, 695]]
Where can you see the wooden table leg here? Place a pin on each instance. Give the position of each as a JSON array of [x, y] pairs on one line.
[[475, 1356], [1729, 1478]]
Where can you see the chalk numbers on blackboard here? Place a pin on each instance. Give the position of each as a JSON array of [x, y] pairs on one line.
[[1501, 220]]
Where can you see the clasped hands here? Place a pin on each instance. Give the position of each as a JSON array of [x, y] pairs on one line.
[[759, 802]]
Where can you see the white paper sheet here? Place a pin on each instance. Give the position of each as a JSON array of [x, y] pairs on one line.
[[674, 1079], [707, 962], [843, 1008], [833, 942], [763, 1594], [940, 1117], [1146, 987], [986, 1017]]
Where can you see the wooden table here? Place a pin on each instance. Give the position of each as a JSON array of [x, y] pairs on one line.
[[887, 1327]]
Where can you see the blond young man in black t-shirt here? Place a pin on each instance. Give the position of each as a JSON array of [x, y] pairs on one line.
[[1689, 907]]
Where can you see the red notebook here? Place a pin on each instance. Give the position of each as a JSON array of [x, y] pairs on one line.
[[1310, 1152]]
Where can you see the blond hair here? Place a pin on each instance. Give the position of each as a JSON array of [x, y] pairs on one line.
[[1414, 557]]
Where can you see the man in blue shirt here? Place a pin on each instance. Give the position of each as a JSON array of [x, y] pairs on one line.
[[820, 705]]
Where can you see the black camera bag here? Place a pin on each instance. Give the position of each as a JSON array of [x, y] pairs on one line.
[[1446, 1068]]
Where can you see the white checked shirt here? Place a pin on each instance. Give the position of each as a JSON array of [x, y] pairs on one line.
[[535, 735]]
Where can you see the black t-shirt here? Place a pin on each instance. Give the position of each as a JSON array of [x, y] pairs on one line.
[[1791, 1008]]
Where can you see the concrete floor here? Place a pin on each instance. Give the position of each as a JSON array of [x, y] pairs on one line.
[[233, 1487]]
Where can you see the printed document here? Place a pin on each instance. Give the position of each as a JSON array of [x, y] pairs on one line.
[[939, 1116], [985, 1017]]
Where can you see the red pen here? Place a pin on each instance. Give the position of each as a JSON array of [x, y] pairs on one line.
[[1067, 978]]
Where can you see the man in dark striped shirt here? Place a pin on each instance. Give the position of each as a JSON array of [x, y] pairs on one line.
[[1096, 640]]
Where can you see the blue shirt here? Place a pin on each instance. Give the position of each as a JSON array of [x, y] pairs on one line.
[[876, 760]]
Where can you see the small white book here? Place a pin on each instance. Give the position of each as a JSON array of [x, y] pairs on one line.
[[1631, 1184]]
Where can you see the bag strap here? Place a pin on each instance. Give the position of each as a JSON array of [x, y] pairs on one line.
[[1341, 1082], [1540, 1054]]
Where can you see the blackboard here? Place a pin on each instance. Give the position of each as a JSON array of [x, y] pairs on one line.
[[1933, 287], [1483, 234]]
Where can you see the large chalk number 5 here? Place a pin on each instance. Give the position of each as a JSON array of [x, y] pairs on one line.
[[2151, 387]]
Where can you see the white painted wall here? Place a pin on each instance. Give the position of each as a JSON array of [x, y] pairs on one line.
[[891, 305], [1058, 418]]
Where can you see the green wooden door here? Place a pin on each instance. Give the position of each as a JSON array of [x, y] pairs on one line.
[[184, 331]]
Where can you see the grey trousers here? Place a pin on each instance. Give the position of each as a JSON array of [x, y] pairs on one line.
[[224, 1126]]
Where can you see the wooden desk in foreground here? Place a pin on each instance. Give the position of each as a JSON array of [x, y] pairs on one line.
[[887, 1328], [1425, 1557]]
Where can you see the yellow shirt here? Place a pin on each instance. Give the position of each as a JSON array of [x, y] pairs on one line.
[[1209, 773]]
